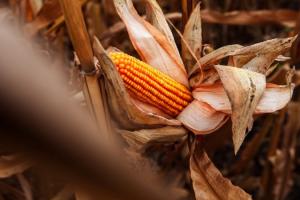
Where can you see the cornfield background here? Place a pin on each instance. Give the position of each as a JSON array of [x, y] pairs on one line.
[[58, 138]]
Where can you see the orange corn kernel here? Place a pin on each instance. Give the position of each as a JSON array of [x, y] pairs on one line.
[[150, 85]]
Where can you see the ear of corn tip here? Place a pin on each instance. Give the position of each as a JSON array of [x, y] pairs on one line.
[[150, 85]]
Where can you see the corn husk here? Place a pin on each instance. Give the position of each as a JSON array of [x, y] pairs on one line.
[[244, 89], [153, 47], [201, 118], [274, 98]]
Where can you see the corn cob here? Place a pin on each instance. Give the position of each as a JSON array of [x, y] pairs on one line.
[[150, 85]]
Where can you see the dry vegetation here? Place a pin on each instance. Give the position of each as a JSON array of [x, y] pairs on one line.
[[223, 123]]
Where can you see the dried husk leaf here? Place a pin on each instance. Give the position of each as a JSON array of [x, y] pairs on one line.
[[153, 47], [192, 36], [258, 57], [144, 137], [13, 164], [156, 17], [274, 98], [209, 77], [213, 57], [264, 51], [123, 108], [208, 182], [201, 118], [49, 12], [244, 89]]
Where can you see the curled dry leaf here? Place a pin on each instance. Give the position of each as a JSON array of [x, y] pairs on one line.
[[144, 137], [206, 62], [124, 109], [13, 164], [192, 36], [265, 51], [269, 50], [153, 47], [201, 118], [156, 17], [208, 182], [244, 89], [274, 98], [49, 12], [218, 54]]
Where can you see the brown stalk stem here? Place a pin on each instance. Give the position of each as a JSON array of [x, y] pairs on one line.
[[81, 42], [247, 155], [267, 178], [187, 7], [78, 33], [185, 12]]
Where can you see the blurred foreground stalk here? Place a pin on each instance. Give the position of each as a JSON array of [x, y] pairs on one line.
[[38, 116]]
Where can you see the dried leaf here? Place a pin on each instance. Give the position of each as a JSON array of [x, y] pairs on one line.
[[208, 182], [153, 47], [244, 89], [257, 57], [201, 118], [265, 52], [120, 26], [280, 16], [121, 104], [213, 57], [274, 98], [156, 17], [193, 36], [49, 12], [13, 164]]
